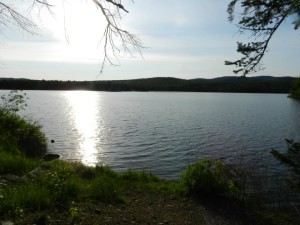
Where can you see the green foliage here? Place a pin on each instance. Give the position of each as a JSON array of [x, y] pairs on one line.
[[105, 170], [18, 134], [291, 159], [261, 19], [295, 90], [64, 183], [74, 181], [30, 196], [56, 179], [16, 163], [105, 189], [143, 177], [74, 215], [210, 178], [75, 189], [87, 173]]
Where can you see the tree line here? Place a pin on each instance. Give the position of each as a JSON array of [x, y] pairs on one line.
[[260, 84]]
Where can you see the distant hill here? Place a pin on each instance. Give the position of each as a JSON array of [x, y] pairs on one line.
[[259, 84], [9, 78]]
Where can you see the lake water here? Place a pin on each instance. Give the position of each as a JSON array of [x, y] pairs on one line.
[[163, 132]]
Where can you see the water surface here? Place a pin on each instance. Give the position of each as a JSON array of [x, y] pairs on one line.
[[163, 132]]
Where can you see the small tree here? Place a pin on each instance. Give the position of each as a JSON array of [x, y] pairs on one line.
[[261, 18], [14, 101], [291, 159]]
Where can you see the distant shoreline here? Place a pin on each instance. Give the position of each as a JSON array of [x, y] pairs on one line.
[[259, 84]]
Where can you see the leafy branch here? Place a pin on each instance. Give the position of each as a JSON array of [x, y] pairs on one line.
[[262, 19]]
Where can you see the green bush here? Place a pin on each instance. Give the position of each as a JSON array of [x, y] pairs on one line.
[[86, 173], [105, 171], [56, 178], [18, 134], [75, 189], [210, 178]]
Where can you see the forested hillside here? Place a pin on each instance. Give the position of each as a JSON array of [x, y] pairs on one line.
[[260, 84]]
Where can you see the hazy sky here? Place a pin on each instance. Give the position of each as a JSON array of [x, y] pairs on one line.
[[184, 39]]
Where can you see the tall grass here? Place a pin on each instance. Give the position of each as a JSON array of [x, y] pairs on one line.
[[16, 163], [25, 196], [20, 135]]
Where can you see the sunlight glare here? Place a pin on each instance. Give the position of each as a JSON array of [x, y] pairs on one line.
[[84, 106], [78, 28]]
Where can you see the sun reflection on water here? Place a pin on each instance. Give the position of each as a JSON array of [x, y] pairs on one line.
[[85, 116]]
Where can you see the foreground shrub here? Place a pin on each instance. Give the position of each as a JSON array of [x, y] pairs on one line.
[[55, 179], [210, 178], [18, 134]]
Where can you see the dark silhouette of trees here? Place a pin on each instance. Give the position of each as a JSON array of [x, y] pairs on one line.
[[260, 84], [116, 40], [260, 18], [295, 90], [291, 159]]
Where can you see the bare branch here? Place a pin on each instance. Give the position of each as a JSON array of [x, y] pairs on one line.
[[11, 17], [44, 2], [119, 5], [116, 39]]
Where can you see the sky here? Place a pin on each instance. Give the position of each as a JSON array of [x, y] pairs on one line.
[[183, 39]]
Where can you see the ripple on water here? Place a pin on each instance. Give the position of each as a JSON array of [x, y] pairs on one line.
[[163, 132]]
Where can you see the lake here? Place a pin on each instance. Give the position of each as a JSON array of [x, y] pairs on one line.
[[163, 132]]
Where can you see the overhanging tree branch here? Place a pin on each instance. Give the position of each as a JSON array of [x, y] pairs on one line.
[[11, 17], [117, 41], [261, 19]]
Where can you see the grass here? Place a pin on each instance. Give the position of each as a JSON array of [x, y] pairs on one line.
[[24, 197], [16, 163], [19, 135], [63, 183]]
